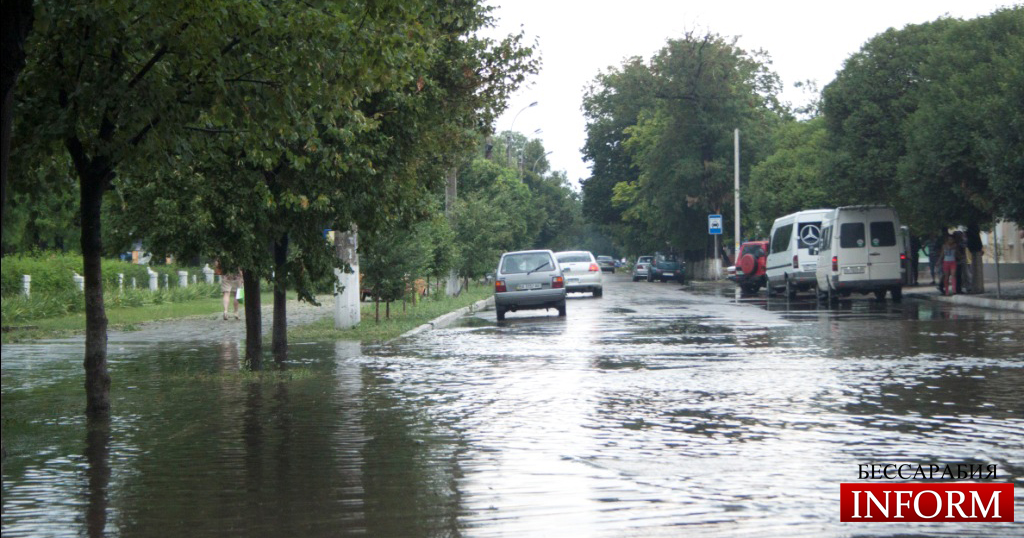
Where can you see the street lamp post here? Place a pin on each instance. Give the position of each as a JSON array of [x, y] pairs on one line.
[[537, 160], [508, 137]]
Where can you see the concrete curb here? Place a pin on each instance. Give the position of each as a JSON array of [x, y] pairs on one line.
[[979, 302], [445, 320]]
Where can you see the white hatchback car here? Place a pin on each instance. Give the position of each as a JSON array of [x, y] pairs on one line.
[[582, 273]]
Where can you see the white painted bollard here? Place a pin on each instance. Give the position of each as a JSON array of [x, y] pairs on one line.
[[208, 274], [183, 279], [26, 284], [120, 281], [79, 281], [195, 279], [166, 281], [153, 275], [133, 283]]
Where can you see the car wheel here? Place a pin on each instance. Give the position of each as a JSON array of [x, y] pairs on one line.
[[598, 292], [500, 312], [561, 310], [880, 295], [790, 290], [635, 278], [650, 278], [897, 294]]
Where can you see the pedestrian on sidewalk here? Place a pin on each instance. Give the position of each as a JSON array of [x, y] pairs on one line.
[[934, 259], [230, 282], [948, 257]]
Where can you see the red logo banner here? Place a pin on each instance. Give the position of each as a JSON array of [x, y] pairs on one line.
[[933, 501]]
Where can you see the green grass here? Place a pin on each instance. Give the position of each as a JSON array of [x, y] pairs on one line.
[[118, 318], [369, 331]]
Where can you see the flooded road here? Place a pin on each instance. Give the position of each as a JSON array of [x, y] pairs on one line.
[[653, 411]]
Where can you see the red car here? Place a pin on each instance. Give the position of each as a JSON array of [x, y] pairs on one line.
[[750, 266]]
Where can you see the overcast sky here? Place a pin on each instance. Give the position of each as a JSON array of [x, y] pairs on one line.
[[807, 40]]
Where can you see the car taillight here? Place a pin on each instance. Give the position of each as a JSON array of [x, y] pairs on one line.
[[796, 262], [903, 257], [499, 286], [594, 268], [835, 263], [557, 282]]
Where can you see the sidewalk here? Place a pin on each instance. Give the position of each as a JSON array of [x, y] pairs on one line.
[[1011, 296]]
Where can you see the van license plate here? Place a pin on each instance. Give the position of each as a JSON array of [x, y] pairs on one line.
[[528, 287], [574, 281], [853, 270]]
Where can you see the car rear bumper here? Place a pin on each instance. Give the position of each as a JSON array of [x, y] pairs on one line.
[[865, 285], [544, 298]]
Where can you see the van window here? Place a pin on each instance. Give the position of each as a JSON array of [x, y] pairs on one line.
[[809, 235], [883, 234], [781, 237], [826, 238], [851, 235]]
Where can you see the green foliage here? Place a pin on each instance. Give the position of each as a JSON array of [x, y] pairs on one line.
[[664, 132], [52, 304], [52, 273], [927, 118], [790, 179]]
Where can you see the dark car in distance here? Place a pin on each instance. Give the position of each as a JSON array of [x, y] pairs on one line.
[[665, 266], [607, 264]]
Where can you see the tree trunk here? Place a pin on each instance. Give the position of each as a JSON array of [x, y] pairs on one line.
[[279, 330], [97, 377], [253, 321], [387, 310], [975, 250], [376, 310]]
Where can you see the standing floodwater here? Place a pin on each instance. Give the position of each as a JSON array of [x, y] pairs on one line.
[[651, 411]]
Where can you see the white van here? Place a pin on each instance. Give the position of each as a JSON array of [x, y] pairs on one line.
[[861, 251], [790, 266]]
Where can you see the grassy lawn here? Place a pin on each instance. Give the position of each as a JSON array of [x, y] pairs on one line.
[[369, 331], [118, 318]]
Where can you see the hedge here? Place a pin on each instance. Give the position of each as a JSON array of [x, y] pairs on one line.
[[52, 273]]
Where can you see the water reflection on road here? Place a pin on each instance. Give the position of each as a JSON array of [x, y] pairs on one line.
[[651, 411]]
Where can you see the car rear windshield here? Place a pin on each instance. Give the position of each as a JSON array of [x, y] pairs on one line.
[[667, 258], [645, 259], [525, 263], [573, 258], [754, 250]]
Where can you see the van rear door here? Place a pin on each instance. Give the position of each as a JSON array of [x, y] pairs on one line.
[[852, 252], [883, 249]]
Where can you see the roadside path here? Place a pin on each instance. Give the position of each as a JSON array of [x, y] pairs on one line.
[[212, 328]]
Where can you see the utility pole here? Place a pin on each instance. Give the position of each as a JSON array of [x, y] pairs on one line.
[[736, 192], [450, 193]]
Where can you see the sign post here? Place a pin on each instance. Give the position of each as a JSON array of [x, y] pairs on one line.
[[715, 229]]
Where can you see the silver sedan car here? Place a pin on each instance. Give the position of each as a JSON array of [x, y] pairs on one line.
[[582, 274], [528, 280]]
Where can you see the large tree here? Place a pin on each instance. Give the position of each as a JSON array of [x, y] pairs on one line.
[[661, 137]]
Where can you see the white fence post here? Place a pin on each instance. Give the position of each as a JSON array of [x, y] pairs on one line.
[[208, 274], [183, 279], [153, 283], [120, 281], [167, 280], [133, 283], [26, 284], [79, 281]]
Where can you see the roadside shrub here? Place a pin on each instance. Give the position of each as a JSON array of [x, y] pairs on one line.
[[52, 273], [19, 309]]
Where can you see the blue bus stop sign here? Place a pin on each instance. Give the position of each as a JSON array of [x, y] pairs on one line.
[[715, 224]]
